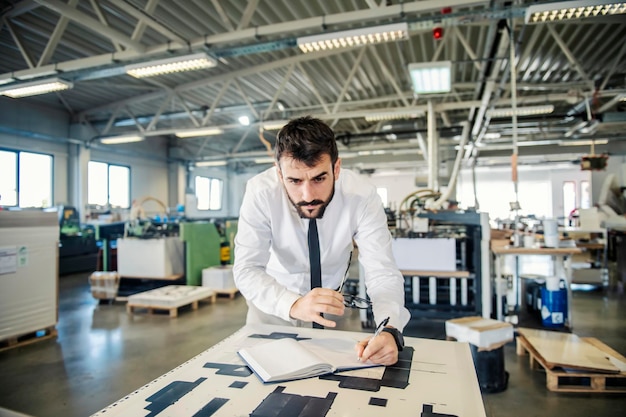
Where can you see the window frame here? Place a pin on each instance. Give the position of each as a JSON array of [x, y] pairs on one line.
[[211, 198], [108, 184], [19, 180]]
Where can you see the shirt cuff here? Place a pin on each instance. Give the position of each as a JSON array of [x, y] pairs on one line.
[[283, 306]]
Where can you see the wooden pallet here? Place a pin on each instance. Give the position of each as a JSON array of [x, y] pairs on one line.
[[560, 380], [173, 311], [230, 292], [28, 338]]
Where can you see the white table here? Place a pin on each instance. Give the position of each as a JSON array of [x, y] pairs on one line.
[[432, 375]]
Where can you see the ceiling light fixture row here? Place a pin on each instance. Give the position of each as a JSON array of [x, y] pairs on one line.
[[356, 37], [36, 87], [521, 111], [566, 10], [170, 65]]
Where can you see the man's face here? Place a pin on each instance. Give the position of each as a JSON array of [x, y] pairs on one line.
[[310, 189]]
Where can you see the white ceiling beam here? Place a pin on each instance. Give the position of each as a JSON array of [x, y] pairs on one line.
[[160, 111], [18, 41], [98, 10], [141, 24], [616, 60], [217, 100], [390, 77], [142, 16], [344, 89], [570, 57], [467, 46], [245, 98], [247, 14], [58, 32], [316, 92], [183, 103], [223, 15], [90, 23], [279, 91]]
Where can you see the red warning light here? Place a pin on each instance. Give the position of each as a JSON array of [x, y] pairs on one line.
[[438, 33]]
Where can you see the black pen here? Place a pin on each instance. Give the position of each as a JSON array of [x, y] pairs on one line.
[[379, 329]]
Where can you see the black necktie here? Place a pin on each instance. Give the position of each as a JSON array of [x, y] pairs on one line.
[[314, 259]]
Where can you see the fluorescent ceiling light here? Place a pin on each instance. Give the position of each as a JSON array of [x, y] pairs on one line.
[[583, 142], [244, 120], [356, 37], [36, 87], [169, 65], [565, 10], [274, 125], [431, 77], [114, 140], [521, 111], [190, 133], [393, 115], [211, 163]]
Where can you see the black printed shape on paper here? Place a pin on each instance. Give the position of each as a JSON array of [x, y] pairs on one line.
[[229, 369], [278, 403], [379, 402], [238, 384], [427, 411], [169, 394], [211, 408], [395, 376]]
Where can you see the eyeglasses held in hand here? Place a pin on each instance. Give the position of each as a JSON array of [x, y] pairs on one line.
[[350, 300]]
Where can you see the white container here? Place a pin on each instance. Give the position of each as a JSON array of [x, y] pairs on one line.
[[550, 233], [553, 283], [218, 277]]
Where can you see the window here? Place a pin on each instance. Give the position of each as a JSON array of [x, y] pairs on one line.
[[382, 192], [569, 198], [108, 185], [585, 195], [209, 193], [25, 179]]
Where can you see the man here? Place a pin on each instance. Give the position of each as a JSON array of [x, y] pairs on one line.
[[272, 267]]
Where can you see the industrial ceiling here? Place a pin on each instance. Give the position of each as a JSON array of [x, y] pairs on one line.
[[577, 65]]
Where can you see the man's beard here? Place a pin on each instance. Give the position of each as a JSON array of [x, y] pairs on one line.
[[322, 209]]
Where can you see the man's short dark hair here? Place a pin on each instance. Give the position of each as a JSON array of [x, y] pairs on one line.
[[306, 139]]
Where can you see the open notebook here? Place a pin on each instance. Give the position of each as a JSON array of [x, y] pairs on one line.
[[288, 359]]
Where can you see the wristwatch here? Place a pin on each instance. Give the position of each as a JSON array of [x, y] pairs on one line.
[[397, 336]]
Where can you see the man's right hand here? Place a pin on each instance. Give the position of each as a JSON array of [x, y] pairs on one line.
[[319, 300]]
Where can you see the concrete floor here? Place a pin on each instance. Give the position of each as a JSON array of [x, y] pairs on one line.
[[102, 353]]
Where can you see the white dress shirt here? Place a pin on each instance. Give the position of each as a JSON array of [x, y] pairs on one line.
[[271, 267]]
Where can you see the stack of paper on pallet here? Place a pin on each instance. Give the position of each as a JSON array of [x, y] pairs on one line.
[[486, 334]]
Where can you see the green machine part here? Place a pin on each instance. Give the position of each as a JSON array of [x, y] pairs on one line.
[[202, 249], [230, 232]]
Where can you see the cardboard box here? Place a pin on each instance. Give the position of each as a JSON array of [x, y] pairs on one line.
[[104, 284], [218, 277], [483, 333]]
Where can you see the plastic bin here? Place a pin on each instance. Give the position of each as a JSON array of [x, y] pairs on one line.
[[553, 307]]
